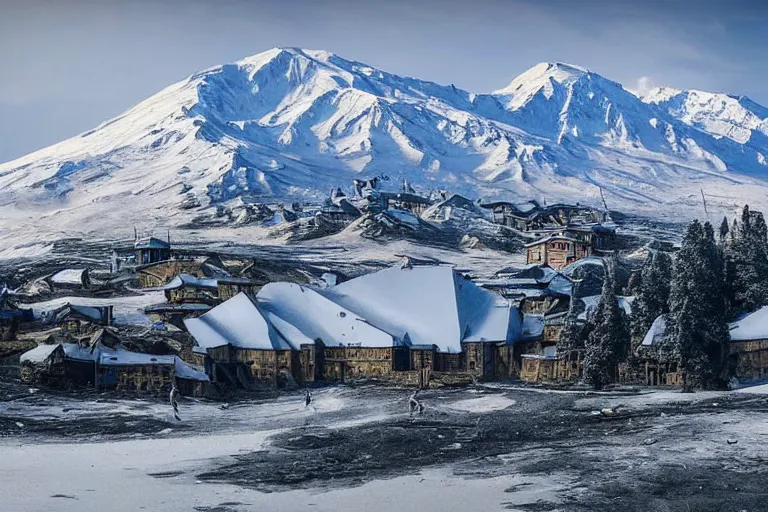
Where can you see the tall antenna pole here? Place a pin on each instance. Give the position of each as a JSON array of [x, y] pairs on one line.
[[602, 197], [704, 202]]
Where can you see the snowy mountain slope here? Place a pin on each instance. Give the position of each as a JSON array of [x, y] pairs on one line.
[[737, 118], [290, 124]]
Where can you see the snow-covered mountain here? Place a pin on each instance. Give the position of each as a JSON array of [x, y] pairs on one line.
[[289, 123], [735, 117]]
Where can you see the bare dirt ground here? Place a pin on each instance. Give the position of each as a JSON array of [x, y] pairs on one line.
[[518, 449]]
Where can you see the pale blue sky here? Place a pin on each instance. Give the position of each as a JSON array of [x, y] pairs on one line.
[[69, 64]]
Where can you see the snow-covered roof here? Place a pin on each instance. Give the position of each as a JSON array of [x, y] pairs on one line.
[[318, 317], [752, 326], [287, 330], [591, 301], [172, 306], [151, 243], [656, 332], [69, 276], [403, 216], [187, 371], [502, 323], [183, 280], [533, 326], [431, 304], [560, 281], [121, 357], [237, 322], [38, 354], [79, 352], [566, 237]]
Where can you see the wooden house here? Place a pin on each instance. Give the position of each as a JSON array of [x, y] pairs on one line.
[[79, 319], [531, 216], [43, 365], [228, 287], [175, 314], [748, 359], [185, 288], [11, 316], [108, 367], [557, 251], [151, 250], [346, 346], [443, 318], [242, 346]]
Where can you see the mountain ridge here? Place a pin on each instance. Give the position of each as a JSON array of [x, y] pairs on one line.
[[289, 124]]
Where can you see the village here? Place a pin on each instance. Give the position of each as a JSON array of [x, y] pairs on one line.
[[417, 363], [218, 323]]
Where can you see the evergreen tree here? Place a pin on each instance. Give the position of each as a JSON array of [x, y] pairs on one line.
[[652, 296], [697, 334], [747, 262], [723, 234], [587, 281], [607, 344]]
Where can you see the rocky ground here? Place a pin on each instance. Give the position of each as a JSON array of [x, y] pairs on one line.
[[495, 447]]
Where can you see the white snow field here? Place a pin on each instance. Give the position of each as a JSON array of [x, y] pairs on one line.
[[290, 123]]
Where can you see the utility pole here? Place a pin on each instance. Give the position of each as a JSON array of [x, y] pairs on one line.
[[602, 197]]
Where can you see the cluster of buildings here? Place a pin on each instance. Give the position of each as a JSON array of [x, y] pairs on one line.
[[408, 324]]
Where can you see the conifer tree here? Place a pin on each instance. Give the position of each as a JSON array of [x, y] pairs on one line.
[[575, 331], [697, 334], [652, 295], [723, 234], [606, 344], [747, 262]]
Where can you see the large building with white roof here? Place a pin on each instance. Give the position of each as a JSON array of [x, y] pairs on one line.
[[381, 325]]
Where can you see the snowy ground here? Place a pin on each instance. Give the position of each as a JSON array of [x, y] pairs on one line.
[[358, 449]]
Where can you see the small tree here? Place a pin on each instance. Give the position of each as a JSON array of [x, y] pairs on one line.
[[607, 343]]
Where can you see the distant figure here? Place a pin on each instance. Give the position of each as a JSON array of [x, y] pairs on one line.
[[415, 405], [307, 398], [174, 398]]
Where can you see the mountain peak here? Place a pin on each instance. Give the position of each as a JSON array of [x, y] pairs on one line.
[[540, 75]]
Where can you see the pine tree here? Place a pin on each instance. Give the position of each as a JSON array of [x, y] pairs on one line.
[[607, 344], [722, 235], [652, 295], [575, 331], [697, 334], [747, 262]]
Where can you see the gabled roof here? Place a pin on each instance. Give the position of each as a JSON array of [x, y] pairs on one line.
[[752, 326], [151, 243], [73, 276], [90, 313], [502, 323], [656, 332], [39, 354], [432, 305], [318, 317], [186, 280], [237, 322], [566, 237], [121, 357]]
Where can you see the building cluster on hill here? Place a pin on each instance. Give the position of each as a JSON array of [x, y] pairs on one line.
[[573, 313]]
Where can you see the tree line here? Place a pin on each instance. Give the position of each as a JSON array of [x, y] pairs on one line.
[[712, 280]]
